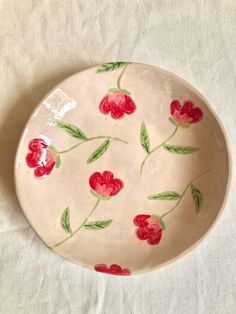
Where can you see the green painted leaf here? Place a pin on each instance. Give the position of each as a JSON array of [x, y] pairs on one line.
[[94, 193], [185, 126], [156, 216], [99, 151], [172, 120], [197, 197], [65, 220], [111, 66], [58, 161], [72, 130], [144, 138], [103, 198], [116, 89], [97, 225], [167, 195], [113, 89], [163, 226], [106, 198], [125, 91], [52, 149], [180, 149]]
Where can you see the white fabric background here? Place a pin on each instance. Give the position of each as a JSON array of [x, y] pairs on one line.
[[41, 43]]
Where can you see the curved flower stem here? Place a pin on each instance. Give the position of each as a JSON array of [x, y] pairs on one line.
[[91, 139], [157, 147], [83, 223], [182, 195], [120, 76]]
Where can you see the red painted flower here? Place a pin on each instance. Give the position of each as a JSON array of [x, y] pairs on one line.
[[104, 184], [149, 228], [186, 114], [40, 157], [113, 270], [118, 104]]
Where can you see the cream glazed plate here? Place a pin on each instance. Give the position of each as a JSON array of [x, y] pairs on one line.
[[122, 168]]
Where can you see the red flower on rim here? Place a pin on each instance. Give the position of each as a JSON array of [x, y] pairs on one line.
[[114, 269], [186, 114], [40, 157], [149, 228], [104, 184], [118, 104]]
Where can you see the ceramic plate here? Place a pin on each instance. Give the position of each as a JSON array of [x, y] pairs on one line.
[[122, 168]]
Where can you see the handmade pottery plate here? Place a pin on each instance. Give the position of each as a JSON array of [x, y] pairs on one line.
[[122, 168]]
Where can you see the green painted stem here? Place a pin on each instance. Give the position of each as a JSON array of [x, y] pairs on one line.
[[120, 76], [83, 223], [91, 139], [156, 148], [182, 195]]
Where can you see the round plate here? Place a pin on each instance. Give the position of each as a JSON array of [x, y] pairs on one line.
[[122, 168]]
